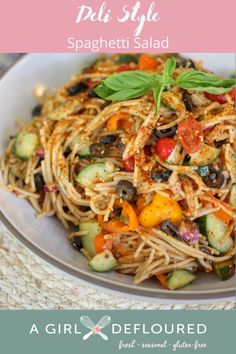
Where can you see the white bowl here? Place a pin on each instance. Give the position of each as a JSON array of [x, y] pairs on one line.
[[47, 237]]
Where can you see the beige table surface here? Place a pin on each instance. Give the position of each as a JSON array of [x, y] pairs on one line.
[[28, 282]]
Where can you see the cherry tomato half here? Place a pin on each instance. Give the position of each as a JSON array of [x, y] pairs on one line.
[[128, 164], [164, 147], [221, 98], [190, 135]]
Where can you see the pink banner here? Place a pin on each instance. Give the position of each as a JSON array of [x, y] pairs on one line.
[[117, 25]]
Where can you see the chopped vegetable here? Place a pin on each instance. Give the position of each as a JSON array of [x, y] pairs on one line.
[[103, 262], [165, 133], [25, 145], [93, 173], [214, 178], [215, 230], [147, 62], [119, 120], [102, 243], [180, 278], [164, 147], [221, 98], [123, 68], [91, 230], [163, 280], [77, 88], [224, 270], [161, 208], [125, 190], [39, 182], [204, 156], [190, 135], [127, 59], [128, 164], [169, 228], [118, 225]]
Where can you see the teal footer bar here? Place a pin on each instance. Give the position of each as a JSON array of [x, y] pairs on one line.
[[111, 332]]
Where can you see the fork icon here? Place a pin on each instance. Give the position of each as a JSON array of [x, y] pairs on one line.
[[95, 329]]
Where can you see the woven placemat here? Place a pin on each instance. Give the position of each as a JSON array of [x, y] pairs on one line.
[[28, 282]]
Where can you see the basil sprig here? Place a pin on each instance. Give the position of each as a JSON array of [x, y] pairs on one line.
[[133, 84]]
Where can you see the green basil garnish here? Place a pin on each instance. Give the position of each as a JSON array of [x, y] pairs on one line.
[[133, 84]]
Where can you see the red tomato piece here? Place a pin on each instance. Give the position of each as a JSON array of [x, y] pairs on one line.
[[190, 135], [232, 94], [123, 68], [128, 164], [164, 147], [216, 98]]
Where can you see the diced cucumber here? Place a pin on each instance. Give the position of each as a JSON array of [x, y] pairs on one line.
[[95, 172], [93, 229], [84, 151], [127, 58], [214, 229], [103, 262], [180, 278], [25, 145], [204, 156], [232, 196], [224, 270], [175, 156]]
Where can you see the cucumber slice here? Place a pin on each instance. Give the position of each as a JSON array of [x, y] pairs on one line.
[[84, 152], [204, 156], [232, 196], [214, 229], [180, 278], [103, 262], [25, 145], [175, 156], [95, 172], [93, 229], [224, 270]]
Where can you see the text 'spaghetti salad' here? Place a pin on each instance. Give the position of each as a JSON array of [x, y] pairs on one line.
[[136, 156]]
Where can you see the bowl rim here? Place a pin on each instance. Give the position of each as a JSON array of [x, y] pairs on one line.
[[112, 285]]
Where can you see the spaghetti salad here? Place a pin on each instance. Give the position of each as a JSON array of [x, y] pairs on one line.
[[136, 157]]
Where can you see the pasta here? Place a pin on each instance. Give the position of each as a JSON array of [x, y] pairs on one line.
[[120, 165]]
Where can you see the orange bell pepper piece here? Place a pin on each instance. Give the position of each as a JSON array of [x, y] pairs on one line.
[[220, 214], [118, 225], [119, 119], [163, 281], [102, 243], [146, 62]]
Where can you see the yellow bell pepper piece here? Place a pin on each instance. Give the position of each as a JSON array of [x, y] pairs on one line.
[[161, 208]]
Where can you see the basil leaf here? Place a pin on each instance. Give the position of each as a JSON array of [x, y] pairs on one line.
[[200, 81], [157, 92], [129, 80], [126, 94], [103, 91], [169, 67]]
